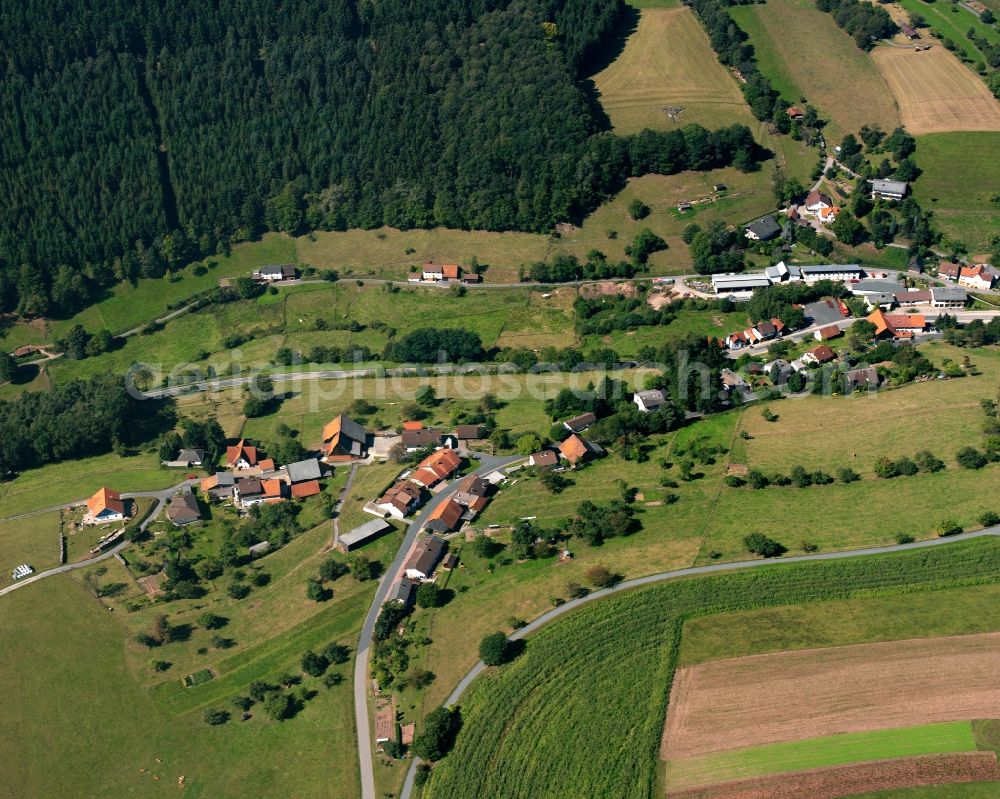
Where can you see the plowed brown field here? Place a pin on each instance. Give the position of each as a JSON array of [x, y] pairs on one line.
[[882, 775], [935, 92], [791, 696]]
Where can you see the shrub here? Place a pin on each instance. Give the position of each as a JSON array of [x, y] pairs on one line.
[[905, 467], [637, 209], [575, 590], [333, 679], [602, 577], [438, 735], [989, 519], [970, 458], [904, 538], [332, 569], [928, 462], [238, 590], [243, 703], [760, 544], [757, 479], [885, 468], [847, 476], [949, 527], [215, 716], [336, 653], [734, 481]]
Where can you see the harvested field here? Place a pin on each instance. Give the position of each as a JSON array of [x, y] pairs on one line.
[[935, 92], [790, 696], [668, 61], [828, 783]]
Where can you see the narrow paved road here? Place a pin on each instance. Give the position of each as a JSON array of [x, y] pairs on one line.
[[162, 498], [651, 579], [488, 463]]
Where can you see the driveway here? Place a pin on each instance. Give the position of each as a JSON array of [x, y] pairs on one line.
[[365, 738]]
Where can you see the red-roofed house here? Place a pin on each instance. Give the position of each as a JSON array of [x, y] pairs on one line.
[[445, 517], [436, 467], [976, 277], [241, 456], [820, 354], [310, 488]]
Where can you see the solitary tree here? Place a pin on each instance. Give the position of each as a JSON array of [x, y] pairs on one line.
[[760, 544], [493, 649]]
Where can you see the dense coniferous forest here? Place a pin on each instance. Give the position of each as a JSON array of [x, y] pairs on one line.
[[136, 136]]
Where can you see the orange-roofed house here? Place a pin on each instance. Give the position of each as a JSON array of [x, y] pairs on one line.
[[976, 277], [436, 467], [267, 465], [241, 456], [900, 326], [273, 490], [828, 215], [877, 318], [105, 506], [445, 517], [574, 449], [310, 488], [344, 440], [451, 271]]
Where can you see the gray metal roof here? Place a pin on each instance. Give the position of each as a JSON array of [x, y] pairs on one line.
[[749, 280], [828, 269], [949, 294], [871, 286], [304, 470], [889, 186], [365, 531]]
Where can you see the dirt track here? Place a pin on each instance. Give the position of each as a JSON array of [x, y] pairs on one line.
[[837, 781], [935, 91], [791, 696]]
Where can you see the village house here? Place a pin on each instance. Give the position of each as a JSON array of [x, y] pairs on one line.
[[435, 467], [414, 440], [898, 326], [218, 486], [188, 457], [445, 518], [948, 297], [304, 471], [865, 378], [816, 201], [425, 558], [977, 277], [828, 215], [580, 423], [472, 495], [888, 189], [435, 272], [650, 400], [908, 31], [949, 271], [275, 272], [241, 456], [577, 449], [344, 440], [346, 542], [399, 501], [827, 333], [545, 459], [819, 355], [794, 112], [248, 491], [846, 273], [405, 592], [763, 229], [733, 381], [469, 432], [183, 509], [304, 490], [105, 506]]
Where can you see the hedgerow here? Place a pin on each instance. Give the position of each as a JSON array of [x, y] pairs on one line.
[[581, 712]]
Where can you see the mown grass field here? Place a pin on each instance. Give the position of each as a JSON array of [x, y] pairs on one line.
[[960, 176], [668, 61], [70, 481], [834, 750], [34, 541], [119, 741], [567, 714], [804, 53]]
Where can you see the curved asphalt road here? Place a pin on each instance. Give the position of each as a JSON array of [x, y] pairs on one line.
[[162, 498], [488, 463], [555, 613]]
